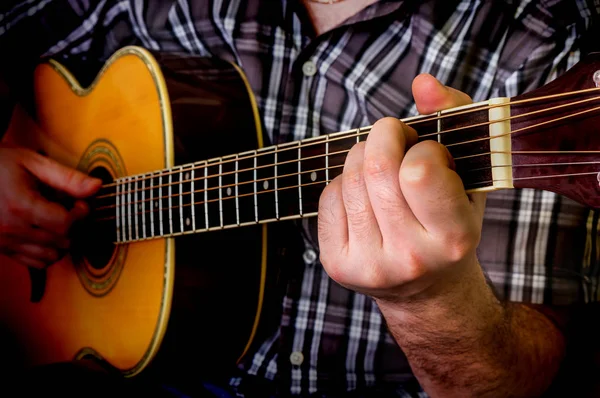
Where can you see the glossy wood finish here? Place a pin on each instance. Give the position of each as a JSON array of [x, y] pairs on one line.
[[580, 133], [218, 273], [122, 326], [217, 277]]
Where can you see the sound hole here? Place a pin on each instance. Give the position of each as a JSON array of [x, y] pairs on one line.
[[95, 237]]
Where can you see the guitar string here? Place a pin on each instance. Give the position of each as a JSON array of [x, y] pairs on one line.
[[181, 170], [459, 158], [528, 153], [295, 215], [265, 191], [435, 117], [528, 165], [362, 131], [200, 191], [546, 176]]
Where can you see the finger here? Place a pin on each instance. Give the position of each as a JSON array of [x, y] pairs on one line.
[[37, 252], [42, 237], [387, 142], [66, 179], [79, 211], [28, 261], [435, 192], [48, 215], [332, 221], [432, 96], [362, 225]]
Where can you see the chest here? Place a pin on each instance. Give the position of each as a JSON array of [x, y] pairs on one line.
[[325, 17]]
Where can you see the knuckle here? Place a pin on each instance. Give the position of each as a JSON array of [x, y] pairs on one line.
[[374, 277], [71, 177], [430, 146], [387, 123], [416, 173], [414, 266], [377, 167], [354, 180], [459, 244], [332, 265], [17, 207]]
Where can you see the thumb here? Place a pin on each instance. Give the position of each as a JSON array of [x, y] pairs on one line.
[[432, 96], [73, 182]]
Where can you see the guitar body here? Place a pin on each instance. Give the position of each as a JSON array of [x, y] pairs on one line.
[[188, 305]]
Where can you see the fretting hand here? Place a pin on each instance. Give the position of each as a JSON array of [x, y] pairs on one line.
[[33, 230], [397, 224]]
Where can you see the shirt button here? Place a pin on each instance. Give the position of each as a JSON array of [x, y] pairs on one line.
[[309, 68], [296, 358], [309, 256]]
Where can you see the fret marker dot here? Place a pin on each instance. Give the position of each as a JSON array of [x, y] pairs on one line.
[[140, 207], [155, 204], [229, 191], [266, 185], [187, 221], [187, 176], [313, 176]]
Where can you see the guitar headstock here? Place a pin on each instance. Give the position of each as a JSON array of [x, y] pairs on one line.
[[556, 135]]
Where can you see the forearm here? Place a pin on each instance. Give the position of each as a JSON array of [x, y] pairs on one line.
[[464, 342]]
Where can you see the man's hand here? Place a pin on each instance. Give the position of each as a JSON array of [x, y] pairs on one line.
[[397, 223], [32, 228]]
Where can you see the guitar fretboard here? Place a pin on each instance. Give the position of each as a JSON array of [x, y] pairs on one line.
[[274, 183]]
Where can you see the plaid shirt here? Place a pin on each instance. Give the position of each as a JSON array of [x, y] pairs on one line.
[[537, 247]]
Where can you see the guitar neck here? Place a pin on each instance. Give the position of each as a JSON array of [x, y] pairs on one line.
[[281, 182]]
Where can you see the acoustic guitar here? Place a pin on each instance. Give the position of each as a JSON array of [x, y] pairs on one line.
[[172, 265]]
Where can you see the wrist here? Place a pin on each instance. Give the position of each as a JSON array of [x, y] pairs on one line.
[[456, 299]]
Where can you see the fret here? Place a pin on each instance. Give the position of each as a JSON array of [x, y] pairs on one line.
[[160, 205], [327, 159], [199, 198], [246, 188], [439, 126], [186, 207], [129, 222], [170, 201], [213, 193], [456, 134], [151, 204], [123, 210], [339, 145], [135, 207], [228, 191], [275, 183], [237, 202], [314, 174], [206, 223], [157, 210], [255, 195], [117, 208], [181, 227], [300, 177], [265, 189], [192, 200], [221, 192], [287, 180], [143, 206]]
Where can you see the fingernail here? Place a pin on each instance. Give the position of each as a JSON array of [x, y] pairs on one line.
[[92, 182]]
